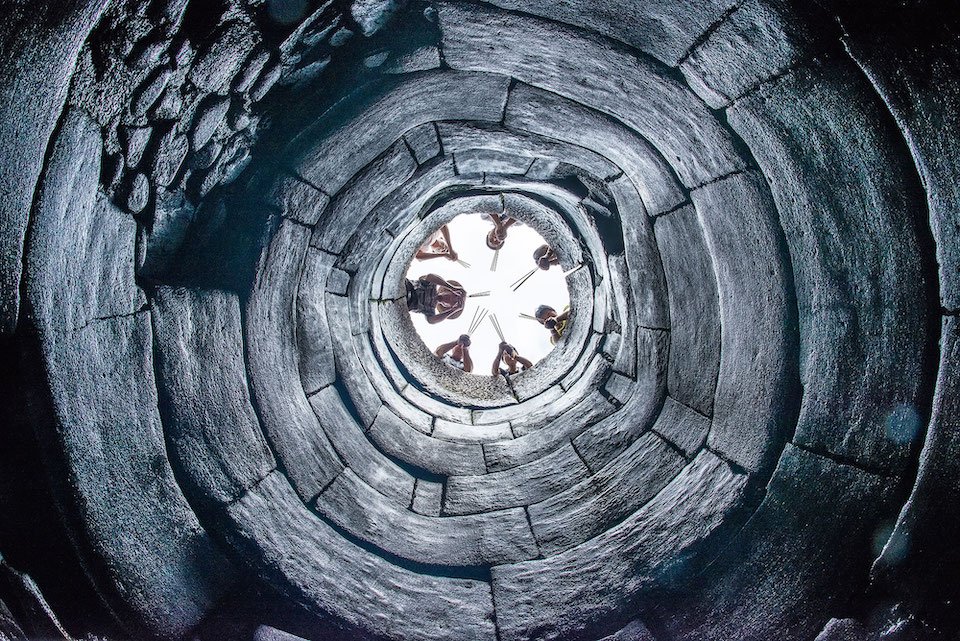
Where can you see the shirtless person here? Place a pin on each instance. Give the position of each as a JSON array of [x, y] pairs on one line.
[[497, 236], [435, 298], [437, 246], [555, 323], [508, 354], [545, 257], [459, 354]]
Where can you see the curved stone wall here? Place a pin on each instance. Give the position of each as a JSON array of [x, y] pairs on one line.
[[223, 424]]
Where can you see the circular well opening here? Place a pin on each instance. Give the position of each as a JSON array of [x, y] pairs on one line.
[[477, 276]]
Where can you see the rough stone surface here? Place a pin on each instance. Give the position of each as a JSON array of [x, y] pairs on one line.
[[403, 442], [214, 430], [694, 309], [554, 57], [863, 309], [757, 385], [204, 401], [521, 485], [310, 562], [356, 451], [607, 497], [562, 596], [354, 137], [481, 539], [292, 429]]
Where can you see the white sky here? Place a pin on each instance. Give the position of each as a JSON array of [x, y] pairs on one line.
[[467, 234]]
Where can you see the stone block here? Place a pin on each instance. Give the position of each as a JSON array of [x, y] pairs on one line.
[[420, 59], [757, 41], [920, 548], [424, 142], [397, 438], [292, 429], [473, 540], [310, 562], [909, 73], [567, 596], [212, 430], [120, 499], [460, 137], [682, 426], [757, 386], [81, 252], [210, 114], [427, 497], [366, 393], [468, 433], [694, 309], [548, 114], [518, 486], [591, 409], [349, 207], [222, 56], [490, 161], [665, 30], [864, 307], [314, 342], [605, 439], [789, 553], [595, 72], [38, 65], [356, 451], [353, 134], [607, 497]]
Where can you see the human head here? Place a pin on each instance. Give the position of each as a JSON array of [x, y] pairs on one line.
[[507, 348], [494, 241], [464, 340], [544, 312], [540, 257]]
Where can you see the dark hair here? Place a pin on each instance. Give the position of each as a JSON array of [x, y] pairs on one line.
[[464, 340], [542, 310], [492, 245], [540, 257]]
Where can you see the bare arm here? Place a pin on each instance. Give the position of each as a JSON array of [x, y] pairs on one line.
[[422, 255], [564, 316], [523, 361], [451, 253], [443, 349], [436, 280], [450, 313], [495, 370], [467, 361]]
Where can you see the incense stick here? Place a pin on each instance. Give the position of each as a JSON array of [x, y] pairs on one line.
[[478, 294], [463, 263], [522, 315], [493, 265], [496, 326], [479, 319], [520, 283], [572, 270]]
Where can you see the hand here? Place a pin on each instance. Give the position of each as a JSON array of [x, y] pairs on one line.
[[452, 255]]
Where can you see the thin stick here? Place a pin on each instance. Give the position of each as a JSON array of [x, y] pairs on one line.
[[473, 320], [520, 280], [463, 263], [496, 326], [526, 278], [475, 325], [493, 265], [478, 294], [572, 270], [522, 315]]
